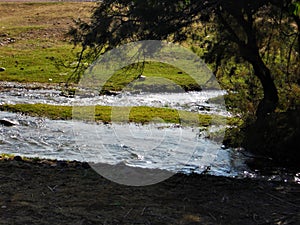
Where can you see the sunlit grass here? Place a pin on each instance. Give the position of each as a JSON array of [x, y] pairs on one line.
[[37, 64], [158, 75], [33, 39], [107, 114]]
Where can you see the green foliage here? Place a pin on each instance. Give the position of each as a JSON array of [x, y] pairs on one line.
[[295, 8], [276, 36], [238, 38]]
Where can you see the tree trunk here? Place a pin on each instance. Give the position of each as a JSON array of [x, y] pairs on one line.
[[270, 100], [297, 20]]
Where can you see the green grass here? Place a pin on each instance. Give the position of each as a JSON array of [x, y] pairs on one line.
[[36, 61], [38, 32], [160, 76], [6, 156], [140, 114], [37, 64]]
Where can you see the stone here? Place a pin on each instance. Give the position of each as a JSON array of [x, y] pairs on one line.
[[141, 77], [8, 123]]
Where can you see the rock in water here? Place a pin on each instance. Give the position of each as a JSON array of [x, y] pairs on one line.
[[2, 69], [8, 123]]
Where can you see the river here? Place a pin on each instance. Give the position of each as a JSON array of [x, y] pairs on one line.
[[164, 146]]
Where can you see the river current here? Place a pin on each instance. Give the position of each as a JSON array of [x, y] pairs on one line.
[[156, 146]]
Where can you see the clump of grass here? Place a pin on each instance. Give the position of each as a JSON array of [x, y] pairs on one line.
[[6, 156], [107, 114], [41, 110]]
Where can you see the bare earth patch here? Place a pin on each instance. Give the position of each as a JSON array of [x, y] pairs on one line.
[[55, 192], [51, 20]]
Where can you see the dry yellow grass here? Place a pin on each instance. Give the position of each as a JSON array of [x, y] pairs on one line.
[[41, 20]]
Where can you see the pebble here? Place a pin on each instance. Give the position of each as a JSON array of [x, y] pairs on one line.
[[141, 77]]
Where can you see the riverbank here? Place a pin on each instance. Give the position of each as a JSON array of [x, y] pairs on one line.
[[47, 192]]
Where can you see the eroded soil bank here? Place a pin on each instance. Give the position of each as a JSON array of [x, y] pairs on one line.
[[49, 192]]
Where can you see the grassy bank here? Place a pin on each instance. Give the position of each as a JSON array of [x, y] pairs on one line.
[[159, 76]]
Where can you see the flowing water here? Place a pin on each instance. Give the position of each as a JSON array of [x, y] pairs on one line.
[[189, 101], [164, 146], [150, 146]]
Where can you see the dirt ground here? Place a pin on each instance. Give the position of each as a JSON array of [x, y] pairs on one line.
[[24, 21], [49, 192]]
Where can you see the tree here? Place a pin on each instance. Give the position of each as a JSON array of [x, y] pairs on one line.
[[240, 26]]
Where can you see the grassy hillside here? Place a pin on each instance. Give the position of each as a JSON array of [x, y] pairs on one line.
[[33, 37], [35, 48]]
